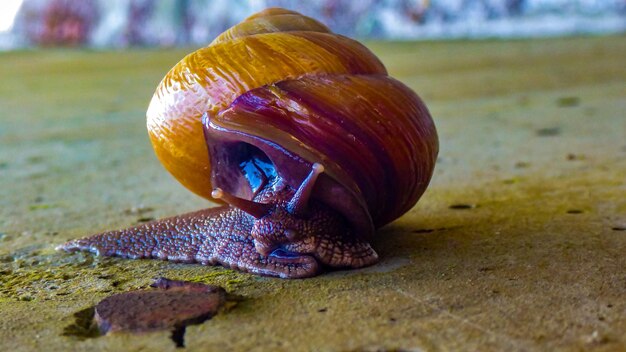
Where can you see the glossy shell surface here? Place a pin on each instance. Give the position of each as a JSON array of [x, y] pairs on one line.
[[287, 85]]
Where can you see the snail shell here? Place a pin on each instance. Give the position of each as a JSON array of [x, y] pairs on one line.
[[304, 135], [283, 83]]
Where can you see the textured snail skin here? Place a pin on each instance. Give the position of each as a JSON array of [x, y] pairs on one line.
[[301, 132], [224, 235]]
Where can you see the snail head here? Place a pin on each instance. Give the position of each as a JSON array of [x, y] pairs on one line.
[[291, 223]]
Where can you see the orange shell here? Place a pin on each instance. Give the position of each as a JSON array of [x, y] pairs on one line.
[[283, 83], [268, 47]]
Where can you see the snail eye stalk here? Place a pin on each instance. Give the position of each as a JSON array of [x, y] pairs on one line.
[[257, 210], [298, 205]]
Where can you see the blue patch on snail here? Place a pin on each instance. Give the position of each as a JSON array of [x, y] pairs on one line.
[[283, 254]]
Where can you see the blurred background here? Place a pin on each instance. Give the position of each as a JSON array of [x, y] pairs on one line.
[[124, 23]]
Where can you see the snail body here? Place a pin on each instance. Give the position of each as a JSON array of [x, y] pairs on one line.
[[304, 137]]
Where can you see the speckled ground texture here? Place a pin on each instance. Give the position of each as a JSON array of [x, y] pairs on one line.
[[518, 245]]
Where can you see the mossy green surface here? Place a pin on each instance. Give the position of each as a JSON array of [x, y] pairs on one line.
[[518, 244]]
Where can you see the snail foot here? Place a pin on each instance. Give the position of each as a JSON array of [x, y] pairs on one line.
[[345, 253]]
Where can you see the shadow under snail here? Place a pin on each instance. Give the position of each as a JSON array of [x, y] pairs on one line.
[[303, 135]]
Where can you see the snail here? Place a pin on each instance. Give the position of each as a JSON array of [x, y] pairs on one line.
[[302, 137]]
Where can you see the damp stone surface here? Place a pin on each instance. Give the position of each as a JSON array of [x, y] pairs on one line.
[[517, 245]]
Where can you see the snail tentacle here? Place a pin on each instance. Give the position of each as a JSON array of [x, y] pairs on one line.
[[257, 210], [298, 204]]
